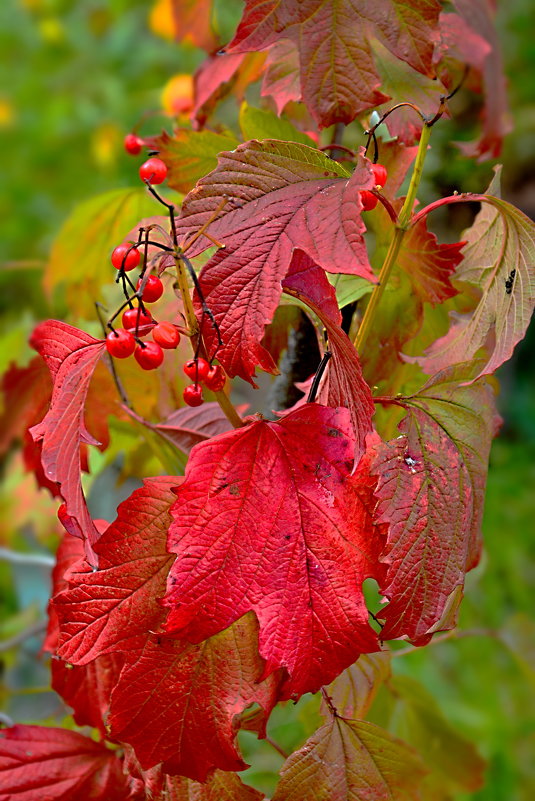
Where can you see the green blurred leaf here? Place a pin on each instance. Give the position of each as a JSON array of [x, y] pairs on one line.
[[258, 124], [191, 155], [80, 256]]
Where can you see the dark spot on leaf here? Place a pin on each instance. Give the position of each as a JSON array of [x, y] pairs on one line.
[[334, 432], [234, 490], [287, 537]]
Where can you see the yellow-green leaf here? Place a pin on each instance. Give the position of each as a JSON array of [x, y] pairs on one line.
[[258, 124]]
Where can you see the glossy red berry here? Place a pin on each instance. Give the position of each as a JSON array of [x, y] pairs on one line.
[[380, 174], [153, 289], [166, 335], [130, 319], [120, 343], [215, 379], [153, 170], [122, 253], [369, 200], [197, 369], [133, 144], [149, 356], [193, 395]]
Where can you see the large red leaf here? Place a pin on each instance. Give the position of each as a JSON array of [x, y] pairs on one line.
[[338, 77], [344, 384], [58, 765], [277, 197], [103, 610], [499, 259], [266, 520], [71, 356], [350, 760], [180, 704], [430, 492]]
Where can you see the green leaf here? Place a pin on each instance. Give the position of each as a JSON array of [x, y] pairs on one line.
[[256, 123], [80, 256], [190, 155], [349, 288]]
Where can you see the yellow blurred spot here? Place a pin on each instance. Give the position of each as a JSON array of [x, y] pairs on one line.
[[51, 29], [161, 21], [105, 143], [7, 113], [177, 94]]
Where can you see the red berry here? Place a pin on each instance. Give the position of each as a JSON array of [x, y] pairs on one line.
[[166, 335], [380, 174], [120, 343], [122, 253], [197, 369], [133, 144], [149, 356], [153, 170], [369, 200], [153, 289], [193, 395], [130, 318], [215, 380]]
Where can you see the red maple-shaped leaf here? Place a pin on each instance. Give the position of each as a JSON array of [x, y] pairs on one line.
[[262, 523], [430, 264], [218, 76], [351, 760], [499, 259], [180, 704], [338, 77], [344, 384], [71, 356], [103, 610], [271, 198], [58, 765], [430, 495]]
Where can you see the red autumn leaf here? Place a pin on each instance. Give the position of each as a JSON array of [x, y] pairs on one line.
[[499, 259], [70, 551], [430, 491], [350, 760], [281, 75], [25, 396], [180, 704], [103, 610], [192, 20], [71, 356], [58, 765], [344, 384], [273, 197], [338, 77], [221, 74], [278, 536], [429, 264], [353, 691]]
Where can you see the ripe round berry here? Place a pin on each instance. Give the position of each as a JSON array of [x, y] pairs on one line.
[[215, 380], [380, 174], [369, 200], [153, 289], [120, 343], [130, 318], [153, 170], [149, 356], [133, 144], [193, 395], [166, 335], [123, 253], [197, 369]]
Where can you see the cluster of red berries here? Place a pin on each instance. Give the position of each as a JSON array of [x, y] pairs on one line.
[[154, 170], [200, 372], [368, 199]]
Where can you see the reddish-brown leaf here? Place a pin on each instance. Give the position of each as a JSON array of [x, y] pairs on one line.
[[180, 704], [103, 610], [192, 21], [430, 494], [338, 77], [281, 76], [350, 760], [344, 384], [26, 393], [353, 691], [277, 197], [58, 765], [263, 523], [429, 264], [71, 356], [221, 74]]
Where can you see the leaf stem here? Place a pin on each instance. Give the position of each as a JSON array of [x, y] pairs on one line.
[[400, 230]]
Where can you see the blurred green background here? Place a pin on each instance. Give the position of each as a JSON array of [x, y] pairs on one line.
[[77, 76]]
